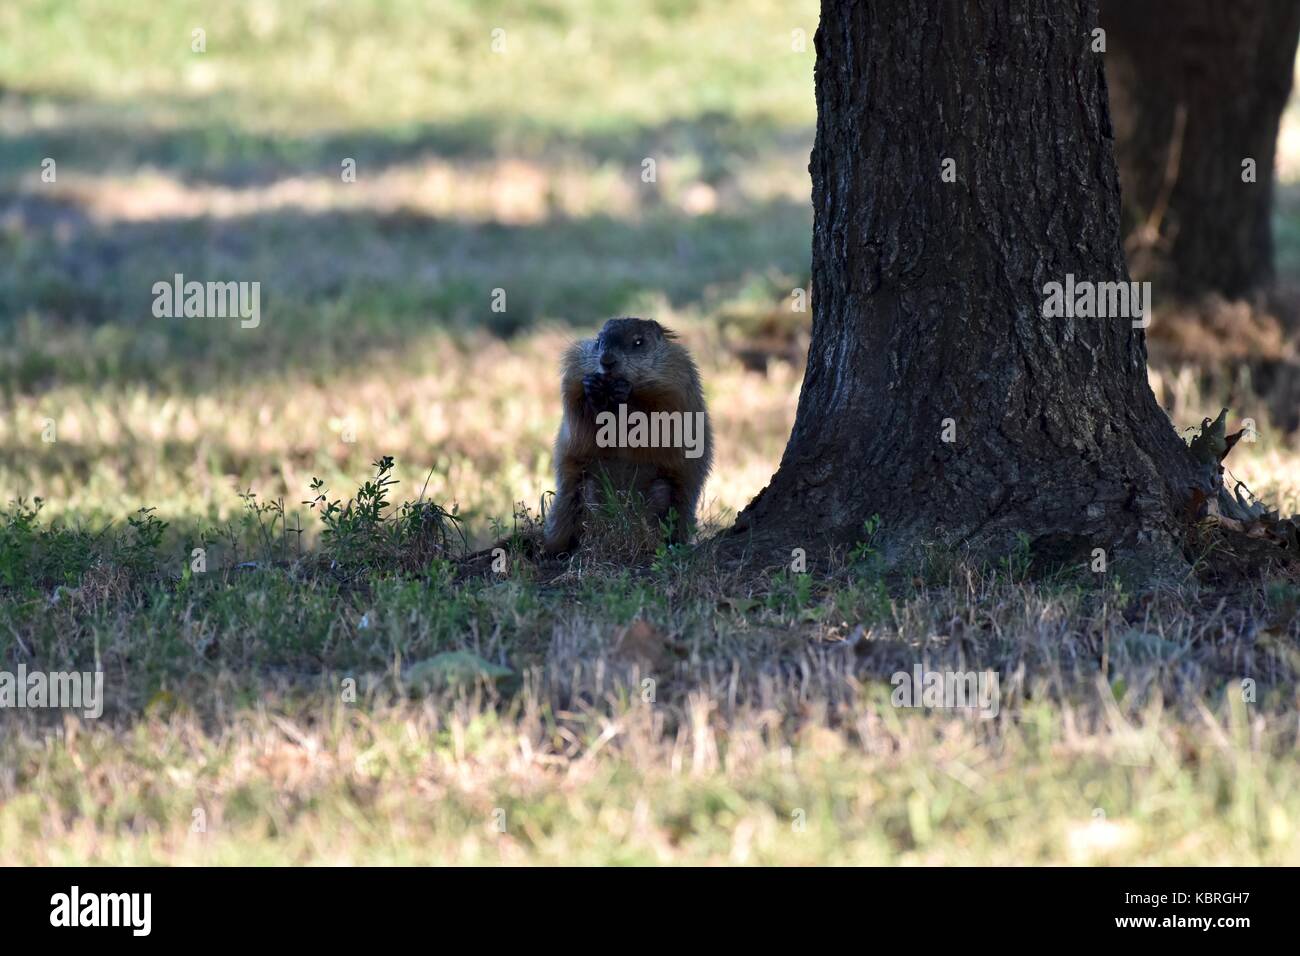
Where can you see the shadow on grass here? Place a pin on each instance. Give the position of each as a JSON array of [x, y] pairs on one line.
[[79, 300], [337, 283], [106, 138]]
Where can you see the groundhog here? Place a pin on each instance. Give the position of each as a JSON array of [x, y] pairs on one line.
[[633, 366]]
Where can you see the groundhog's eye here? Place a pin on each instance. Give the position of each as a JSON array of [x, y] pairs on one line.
[[637, 343]]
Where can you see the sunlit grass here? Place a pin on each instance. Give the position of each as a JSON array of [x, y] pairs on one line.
[[428, 784]]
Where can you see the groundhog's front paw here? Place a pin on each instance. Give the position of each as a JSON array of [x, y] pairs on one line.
[[620, 390], [596, 388]]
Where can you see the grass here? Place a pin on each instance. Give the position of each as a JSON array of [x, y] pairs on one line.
[[330, 684], [679, 713]]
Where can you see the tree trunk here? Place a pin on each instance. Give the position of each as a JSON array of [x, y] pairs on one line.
[[928, 297], [1197, 87]]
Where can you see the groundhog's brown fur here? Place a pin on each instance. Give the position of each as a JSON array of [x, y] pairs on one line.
[[639, 363]]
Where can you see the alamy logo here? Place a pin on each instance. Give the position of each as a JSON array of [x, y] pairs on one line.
[[103, 909], [966, 690], [1098, 300], [636, 429], [208, 300], [56, 689]]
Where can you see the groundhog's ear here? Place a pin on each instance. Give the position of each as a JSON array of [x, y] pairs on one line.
[[666, 333]]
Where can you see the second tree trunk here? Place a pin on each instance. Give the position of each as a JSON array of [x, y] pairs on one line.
[[1197, 89]]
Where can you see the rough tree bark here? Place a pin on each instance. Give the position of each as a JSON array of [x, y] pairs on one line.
[[1196, 87], [928, 297]]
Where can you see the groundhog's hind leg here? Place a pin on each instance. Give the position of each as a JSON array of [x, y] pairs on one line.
[[591, 496], [667, 504], [561, 526], [564, 520]]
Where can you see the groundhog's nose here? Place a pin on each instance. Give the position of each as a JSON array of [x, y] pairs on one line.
[[608, 360]]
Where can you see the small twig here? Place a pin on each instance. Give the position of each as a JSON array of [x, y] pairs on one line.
[[1148, 234]]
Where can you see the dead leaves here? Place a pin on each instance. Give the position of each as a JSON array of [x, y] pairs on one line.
[[1211, 446], [1237, 511]]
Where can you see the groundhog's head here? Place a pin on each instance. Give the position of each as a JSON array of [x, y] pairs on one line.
[[635, 350]]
